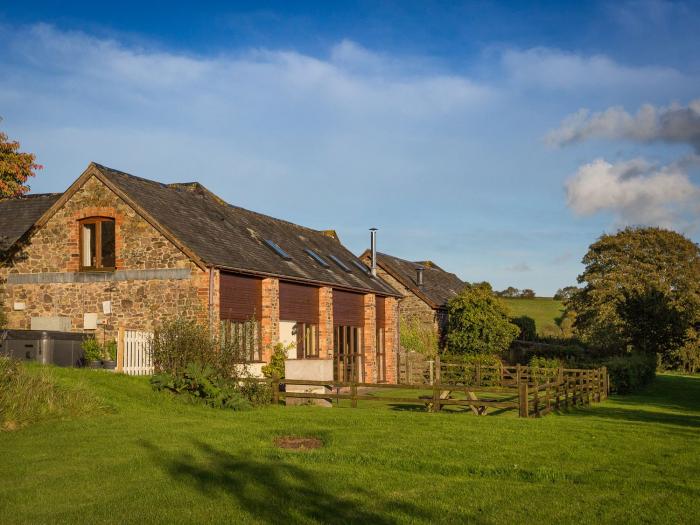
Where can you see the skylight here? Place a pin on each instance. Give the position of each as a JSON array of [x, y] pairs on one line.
[[340, 263], [316, 257], [279, 251], [360, 266]]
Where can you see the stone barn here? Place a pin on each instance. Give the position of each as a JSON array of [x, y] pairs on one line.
[[118, 251]]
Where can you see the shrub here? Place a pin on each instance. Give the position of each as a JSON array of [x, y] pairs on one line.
[[31, 395], [256, 393], [180, 342], [630, 373], [276, 366], [110, 350], [92, 350], [478, 322], [418, 337], [543, 369], [199, 383]]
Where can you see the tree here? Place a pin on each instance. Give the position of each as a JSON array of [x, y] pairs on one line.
[[564, 294], [527, 293], [15, 168], [641, 289], [478, 322], [509, 292]]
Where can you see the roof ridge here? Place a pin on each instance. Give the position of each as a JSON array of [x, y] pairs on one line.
[[215, 197]]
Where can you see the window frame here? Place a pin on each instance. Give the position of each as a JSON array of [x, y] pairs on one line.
[[97, 221]]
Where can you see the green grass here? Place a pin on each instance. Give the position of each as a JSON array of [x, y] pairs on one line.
[[154, 460], [544, 310]]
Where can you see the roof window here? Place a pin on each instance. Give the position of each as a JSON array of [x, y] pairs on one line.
[[316, 257], [340, 263], [279, 251]]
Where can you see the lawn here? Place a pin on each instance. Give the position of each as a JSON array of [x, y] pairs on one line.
[[543, 310], [150, 459]]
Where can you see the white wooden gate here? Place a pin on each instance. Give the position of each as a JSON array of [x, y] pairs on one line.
[[136, 352]]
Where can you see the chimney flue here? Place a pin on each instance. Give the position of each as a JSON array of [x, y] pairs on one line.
[[373, 247], [419, 275]]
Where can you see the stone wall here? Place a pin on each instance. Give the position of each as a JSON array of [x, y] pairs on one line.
[[141, 251]]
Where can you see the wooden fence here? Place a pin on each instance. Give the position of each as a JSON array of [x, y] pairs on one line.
[[532, 392]]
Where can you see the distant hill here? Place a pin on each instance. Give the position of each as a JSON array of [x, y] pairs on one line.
[[544, 310]]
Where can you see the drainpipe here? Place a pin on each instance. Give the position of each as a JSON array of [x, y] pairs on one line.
[[211, 301], [373, 247]]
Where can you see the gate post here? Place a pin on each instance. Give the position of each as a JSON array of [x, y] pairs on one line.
[[120, 349]]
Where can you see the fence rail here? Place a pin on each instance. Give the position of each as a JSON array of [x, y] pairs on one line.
[[532, 393]]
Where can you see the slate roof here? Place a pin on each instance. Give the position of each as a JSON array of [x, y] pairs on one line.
[[17, 216], [232, 238], [438, 286]]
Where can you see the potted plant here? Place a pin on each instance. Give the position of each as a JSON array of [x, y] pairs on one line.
[[92, 353], [109, 355]]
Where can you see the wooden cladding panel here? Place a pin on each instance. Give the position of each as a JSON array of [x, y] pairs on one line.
[[348, 308], [298, 302], [380, 312], [240, 297]]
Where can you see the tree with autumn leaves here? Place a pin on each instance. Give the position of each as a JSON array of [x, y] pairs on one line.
[[16, 167]]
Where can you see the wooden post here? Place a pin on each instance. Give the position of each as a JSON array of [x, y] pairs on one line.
[[353, 394], [566, 392], [536, 399], [438, 369], [518, 374], [275, 390], [606, 382], [523, 404], [436, 397], [120, 349]]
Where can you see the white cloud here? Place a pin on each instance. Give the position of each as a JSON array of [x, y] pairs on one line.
[[675, 124], [635, 192], [556, 70]]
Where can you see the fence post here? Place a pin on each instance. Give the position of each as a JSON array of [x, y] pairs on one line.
[[275, 390], [536, 399], [353, 394], [432, 371], [523, 403], [518, 374], [606, 382]]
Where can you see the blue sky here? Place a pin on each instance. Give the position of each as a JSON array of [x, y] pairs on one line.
[[498, 139]]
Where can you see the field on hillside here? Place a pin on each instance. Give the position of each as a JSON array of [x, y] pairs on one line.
[[150, 459], [544, 310]]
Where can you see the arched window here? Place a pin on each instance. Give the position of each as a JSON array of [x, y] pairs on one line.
[[97, 244]]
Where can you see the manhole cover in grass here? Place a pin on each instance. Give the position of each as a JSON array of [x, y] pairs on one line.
[[298, 443]]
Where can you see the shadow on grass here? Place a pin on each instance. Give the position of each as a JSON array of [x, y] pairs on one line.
[[276, 492], [659, 403]]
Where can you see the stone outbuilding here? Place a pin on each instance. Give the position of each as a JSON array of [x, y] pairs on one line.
[[426, 288], [118, 251]]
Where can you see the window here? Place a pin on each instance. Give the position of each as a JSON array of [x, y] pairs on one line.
[[279, 251], [97, 244], [316, 257], [307, 341], [360, 266], [347, 353], [242, 337], [340, 263], [381, 356]]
